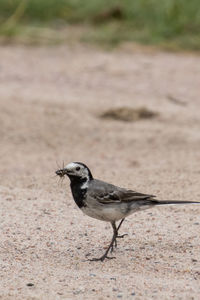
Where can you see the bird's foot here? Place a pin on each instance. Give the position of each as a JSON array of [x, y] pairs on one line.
[[102, 258], [121, 236]]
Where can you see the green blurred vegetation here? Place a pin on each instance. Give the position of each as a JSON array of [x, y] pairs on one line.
[[170, 23]]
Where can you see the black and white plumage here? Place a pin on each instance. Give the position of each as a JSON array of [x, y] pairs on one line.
[[107, 202]]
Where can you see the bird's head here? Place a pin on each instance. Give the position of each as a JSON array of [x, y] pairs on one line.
[[76, 171]]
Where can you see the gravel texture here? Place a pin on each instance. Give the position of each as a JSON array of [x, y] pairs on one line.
[[50, 102]]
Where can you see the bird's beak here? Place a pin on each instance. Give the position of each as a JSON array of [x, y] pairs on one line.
[[61, 172]]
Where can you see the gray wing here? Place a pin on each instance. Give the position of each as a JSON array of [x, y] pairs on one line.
[[107, 193]]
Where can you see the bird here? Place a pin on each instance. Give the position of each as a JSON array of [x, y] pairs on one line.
[[107, 202]]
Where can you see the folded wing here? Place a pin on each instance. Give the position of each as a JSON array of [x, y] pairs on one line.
[[107, 193]]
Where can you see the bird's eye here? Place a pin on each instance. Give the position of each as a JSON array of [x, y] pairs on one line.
[[77, 168]]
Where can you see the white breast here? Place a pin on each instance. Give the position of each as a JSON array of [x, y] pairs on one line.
[[104, 213]]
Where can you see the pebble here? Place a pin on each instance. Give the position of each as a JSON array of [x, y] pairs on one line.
[[30, 284], [133, 293], [77, 292]]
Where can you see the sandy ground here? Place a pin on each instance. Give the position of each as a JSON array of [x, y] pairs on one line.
[[50, 99]]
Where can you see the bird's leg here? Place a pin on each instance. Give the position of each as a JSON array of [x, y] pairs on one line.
[[119, 236], [115, 232], [120, 224], [110, 247], [113, 241]]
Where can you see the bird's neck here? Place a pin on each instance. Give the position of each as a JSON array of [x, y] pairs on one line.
[[79, 188], [80, 182]]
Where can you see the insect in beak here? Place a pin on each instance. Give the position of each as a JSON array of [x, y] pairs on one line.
[[61, 172]]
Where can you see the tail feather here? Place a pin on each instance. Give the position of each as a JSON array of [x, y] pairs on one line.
[[168, 202]]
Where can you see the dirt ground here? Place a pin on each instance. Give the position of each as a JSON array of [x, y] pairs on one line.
[[50, 101]]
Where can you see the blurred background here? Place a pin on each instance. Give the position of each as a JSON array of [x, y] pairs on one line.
[[172, 23], [115, 85], [81, 77]]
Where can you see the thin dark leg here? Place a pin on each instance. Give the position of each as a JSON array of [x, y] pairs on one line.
[[119, 236], [113, 241], [115, 232], [110, 246], [120, 224]]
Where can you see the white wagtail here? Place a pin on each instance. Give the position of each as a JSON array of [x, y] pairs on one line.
[[106, 202]]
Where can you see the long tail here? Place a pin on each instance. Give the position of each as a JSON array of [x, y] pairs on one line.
[[165, 202]]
